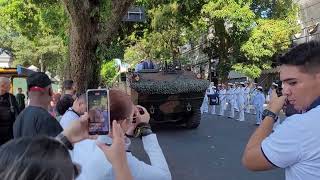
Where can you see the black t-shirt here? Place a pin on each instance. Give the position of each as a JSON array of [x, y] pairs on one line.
[[7, 116], [34, 121]]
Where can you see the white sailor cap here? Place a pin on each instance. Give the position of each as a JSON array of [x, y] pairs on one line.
[[274, 84], [259, 87], [236, 83], [242, 83], [219, 84], [230, 84]]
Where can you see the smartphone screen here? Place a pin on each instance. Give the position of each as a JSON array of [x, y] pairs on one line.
[[99, 111]]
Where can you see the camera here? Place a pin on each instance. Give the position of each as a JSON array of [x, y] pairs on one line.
[[279, 88]]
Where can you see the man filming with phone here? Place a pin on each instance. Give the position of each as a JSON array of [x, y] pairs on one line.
[[295, 144]]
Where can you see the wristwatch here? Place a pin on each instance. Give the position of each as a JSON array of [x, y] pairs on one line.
[[65, 141], [143, 129], [269, 113]]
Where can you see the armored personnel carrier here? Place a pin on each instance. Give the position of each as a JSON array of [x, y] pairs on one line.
[[170, 95]]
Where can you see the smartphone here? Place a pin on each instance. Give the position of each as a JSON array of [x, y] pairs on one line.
[[279, 88], [98, 108]]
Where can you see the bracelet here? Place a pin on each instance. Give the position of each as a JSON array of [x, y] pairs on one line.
[[65, 141]]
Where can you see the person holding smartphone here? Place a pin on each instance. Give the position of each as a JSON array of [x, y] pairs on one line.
[[134, 120], [295, 143]]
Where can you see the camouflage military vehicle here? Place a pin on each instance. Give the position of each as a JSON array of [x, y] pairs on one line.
[[169, 96]]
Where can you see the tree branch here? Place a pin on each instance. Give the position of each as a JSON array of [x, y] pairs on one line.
[[76, 10], [119, 9]]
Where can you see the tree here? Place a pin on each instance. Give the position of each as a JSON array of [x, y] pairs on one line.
[[93, 22], [247, 34], [229, 22], [33, 34]]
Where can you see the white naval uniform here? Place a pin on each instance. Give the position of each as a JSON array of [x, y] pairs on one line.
[[241, 102], [258, 102], [212, 108], [247, 99], [253, 92], [235, 95], [231, 101], [205, 103], [223, 101]]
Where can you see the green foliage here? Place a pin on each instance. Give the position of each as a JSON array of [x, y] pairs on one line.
[[161, 40], [35, 32], [247, 34], [108, 72], [251, 71], [234, 13], [267, 38]]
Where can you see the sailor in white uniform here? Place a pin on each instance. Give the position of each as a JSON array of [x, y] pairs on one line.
[[235, 95], [241, 101], [223, 99], [205, 103], [246, 97], [258, 102], [231, 99], [212, 108], [252, 94]]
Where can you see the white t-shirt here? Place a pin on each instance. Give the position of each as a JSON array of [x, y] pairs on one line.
[[295, 146], [68, 117], [95, 166]]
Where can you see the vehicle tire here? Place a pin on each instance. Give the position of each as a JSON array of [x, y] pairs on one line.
[[194, 121]]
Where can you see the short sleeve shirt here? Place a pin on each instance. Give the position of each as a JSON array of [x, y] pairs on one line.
[[34, 121], [295, 146], [68, 118]]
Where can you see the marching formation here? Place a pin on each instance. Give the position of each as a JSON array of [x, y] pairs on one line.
[[243, 97]]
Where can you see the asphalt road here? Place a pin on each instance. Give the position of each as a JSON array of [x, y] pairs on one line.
[[211, 152]]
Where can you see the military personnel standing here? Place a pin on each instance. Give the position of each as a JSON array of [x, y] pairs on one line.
[[258, 102], [205, 103], [235, 95], [241, 101], [223, 99], [231, 99], [212, 106], [246, 97], [252, 94]]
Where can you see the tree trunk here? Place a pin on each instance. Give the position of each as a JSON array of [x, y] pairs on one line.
[[84, 64], [85, 35]]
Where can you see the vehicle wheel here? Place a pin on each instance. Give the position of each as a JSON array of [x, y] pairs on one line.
[[194, 121]]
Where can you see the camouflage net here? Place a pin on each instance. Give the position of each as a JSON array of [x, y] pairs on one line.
[[180, 85]]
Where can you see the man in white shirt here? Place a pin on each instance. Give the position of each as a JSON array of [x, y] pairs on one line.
[[78, 108], [295, 143]]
